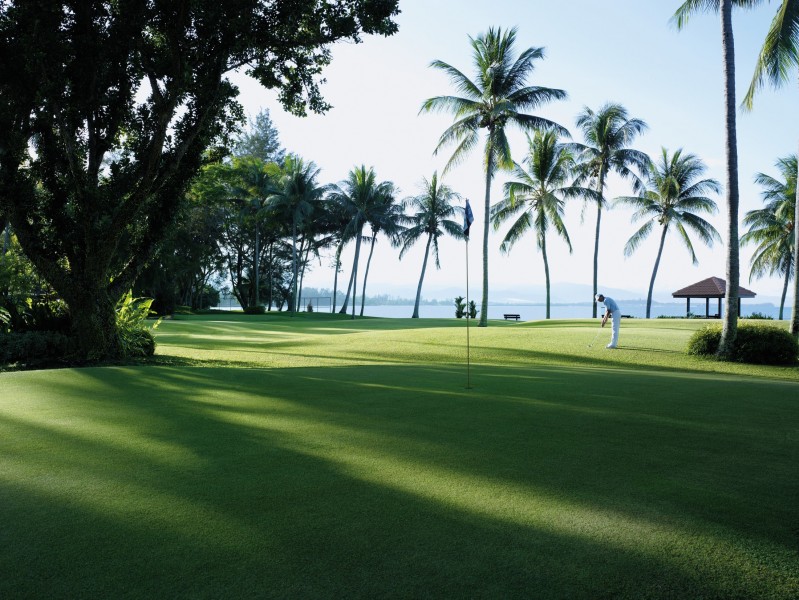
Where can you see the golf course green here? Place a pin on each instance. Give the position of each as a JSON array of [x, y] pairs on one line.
[[317, 456]]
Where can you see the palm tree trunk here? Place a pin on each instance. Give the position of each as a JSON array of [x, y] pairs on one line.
[[727, 342], [600, 189], [546, 268], [489, 176], [415, 314], [355, 271], [795, 311], [335, 277], [302, 271], [655, 272], [366, 273], [344, 305], [294, 266], [785, 289]]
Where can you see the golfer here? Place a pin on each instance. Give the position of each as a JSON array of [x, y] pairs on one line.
[[611, 310]]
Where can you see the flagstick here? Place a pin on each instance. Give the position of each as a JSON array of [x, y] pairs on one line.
[[468, 317]]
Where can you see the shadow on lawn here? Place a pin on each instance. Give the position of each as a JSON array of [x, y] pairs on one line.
[[375, 481]]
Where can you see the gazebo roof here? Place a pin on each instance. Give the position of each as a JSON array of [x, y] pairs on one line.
[[712, 287]]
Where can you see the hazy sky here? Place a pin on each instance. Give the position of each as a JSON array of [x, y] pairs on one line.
[[622, 51]]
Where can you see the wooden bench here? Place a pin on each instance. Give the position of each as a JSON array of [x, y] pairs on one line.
[[509, 316]]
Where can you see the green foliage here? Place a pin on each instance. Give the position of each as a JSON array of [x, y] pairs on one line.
[[472, 310], [460, 307], [760, 316], [34, 348], [134, 334], [754, 344], [257, 309]]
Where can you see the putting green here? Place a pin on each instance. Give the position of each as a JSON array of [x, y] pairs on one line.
[[323, 457]]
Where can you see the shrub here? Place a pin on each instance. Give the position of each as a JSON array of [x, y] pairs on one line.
[[255, 310], [34, 347], [310, 307], [460, 307], [758, 315], [754, 344], [134, 334]]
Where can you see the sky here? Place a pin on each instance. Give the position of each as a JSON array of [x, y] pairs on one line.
[[623, 51]]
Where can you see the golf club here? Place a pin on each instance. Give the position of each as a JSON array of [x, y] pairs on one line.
[[595, 337]]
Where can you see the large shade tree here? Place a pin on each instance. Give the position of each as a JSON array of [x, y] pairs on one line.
[[535, 198], [608, 133], [777, 64], [107, 108], [772, 228], [680, 19], [431, 217], [497, 97], [673, 197]]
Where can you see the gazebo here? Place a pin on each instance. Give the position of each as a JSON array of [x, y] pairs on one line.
[[712, 287]]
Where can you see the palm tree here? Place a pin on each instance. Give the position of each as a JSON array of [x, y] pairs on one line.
[[538, 196], [386, 217], [608, 132], [432, 217], [778, 58], [295, 197], [496, 98], [680, 18], [673, 196], [359, 197], [772, 227]]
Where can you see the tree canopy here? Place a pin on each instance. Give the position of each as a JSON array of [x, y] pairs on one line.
[[108, 107]]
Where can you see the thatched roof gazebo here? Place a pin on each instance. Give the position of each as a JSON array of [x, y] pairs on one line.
[[712, 287]]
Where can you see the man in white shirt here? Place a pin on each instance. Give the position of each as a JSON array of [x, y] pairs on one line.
[[611, 310]]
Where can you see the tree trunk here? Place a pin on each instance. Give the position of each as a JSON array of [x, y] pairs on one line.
[[366, 273], [785, 289], [727, 342], [294, 267], [655, 272], [546, 268], [600, 191], [415, 314], [486, 214], [302, 270], [335, 277], [345, 304], [355, 271], [795, 312], [93, 322]]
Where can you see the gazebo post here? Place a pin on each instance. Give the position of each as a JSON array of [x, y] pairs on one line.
[[719, 308], [739, 307], [707, 308], [687, 307]]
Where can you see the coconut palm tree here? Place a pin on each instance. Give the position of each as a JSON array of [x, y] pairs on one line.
[[359, 197], [537, 196], [387, 217], [673, 196], [778, 59], [772, 228], [495, 98], [680, 18], [433, 209], [294, 199], [608, 133]]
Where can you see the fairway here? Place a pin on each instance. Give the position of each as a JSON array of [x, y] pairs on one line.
[[323, 457]]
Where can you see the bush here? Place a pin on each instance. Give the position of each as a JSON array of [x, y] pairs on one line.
[[460, 307], [34, 347], [255, 310], [758, 315], [134, 334], [754, 344]]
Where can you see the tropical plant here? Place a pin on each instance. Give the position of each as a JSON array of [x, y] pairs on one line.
[[536, 197], [360, 198], [772, 228], [495, 98], [387, 217], [680, 19], [135, 335], [608, 133], [673, 196], [295, 197], [778, 58], [431, 217], [460, 307], [261, 140]]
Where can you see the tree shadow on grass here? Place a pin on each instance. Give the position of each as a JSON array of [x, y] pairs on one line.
[[375, 481]]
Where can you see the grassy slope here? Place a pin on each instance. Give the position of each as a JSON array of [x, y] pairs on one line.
[[321, 457]]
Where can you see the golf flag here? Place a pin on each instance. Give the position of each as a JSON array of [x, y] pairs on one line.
[[468, 218]]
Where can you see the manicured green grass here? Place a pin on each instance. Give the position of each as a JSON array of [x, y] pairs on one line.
[[317, 456]]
